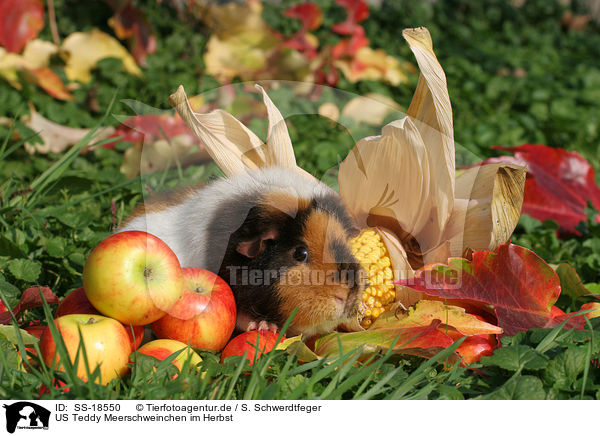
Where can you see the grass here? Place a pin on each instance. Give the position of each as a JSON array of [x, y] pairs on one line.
[[54, 209]]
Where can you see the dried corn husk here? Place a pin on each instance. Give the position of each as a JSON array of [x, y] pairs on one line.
[[233, 146], [487, 207]]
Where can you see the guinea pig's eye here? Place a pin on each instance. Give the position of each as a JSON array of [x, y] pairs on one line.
[[301, 254]]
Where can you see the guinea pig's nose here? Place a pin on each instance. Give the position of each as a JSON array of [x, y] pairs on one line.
[[353, 275]]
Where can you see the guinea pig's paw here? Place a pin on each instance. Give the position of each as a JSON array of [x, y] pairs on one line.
[[262, 325], [265, 325], [246, 323]]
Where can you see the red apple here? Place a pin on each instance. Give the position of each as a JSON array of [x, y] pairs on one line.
[[163, 348], [58, 384], [34, 330], [76, 302], [106, 343], [204, 316], [246, 342], [475, 347], [133, 277], [135, 333]]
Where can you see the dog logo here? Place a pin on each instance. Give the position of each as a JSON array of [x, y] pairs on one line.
[[26, 415]]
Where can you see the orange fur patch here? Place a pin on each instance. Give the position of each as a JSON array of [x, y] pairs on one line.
[[162, 200], [312, 287], [282, 201]]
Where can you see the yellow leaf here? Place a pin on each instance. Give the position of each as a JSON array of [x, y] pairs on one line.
[[37, 53], [82, 51], [595, 310], [10, 65], [241, 43], [370, 108], [295, 345], [329, 110], [370, 64]]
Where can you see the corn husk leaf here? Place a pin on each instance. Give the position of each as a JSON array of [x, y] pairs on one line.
[[487, 209], [404, 179], [430, 107], [383, 174], [425, 311], [233, 146], [418, 340], [279, 151], [424, 341]]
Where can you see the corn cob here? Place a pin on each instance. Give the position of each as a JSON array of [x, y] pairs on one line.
[[370, 250]]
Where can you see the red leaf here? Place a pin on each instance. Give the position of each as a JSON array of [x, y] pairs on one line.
[[151, 128], [557, 316], [349, 47], [520, 286], [424, 337], [559, 184], [131, 23], [49, 81], [358, 11], [30, 299], [20, 21], [308, 13]]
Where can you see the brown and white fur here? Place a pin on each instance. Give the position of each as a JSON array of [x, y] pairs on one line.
[[279, 238]]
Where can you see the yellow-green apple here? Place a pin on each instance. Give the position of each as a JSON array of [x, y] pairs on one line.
[[77, 302], [163, 348], [247, 342], [205, 314], [106, 343], [133, 277]]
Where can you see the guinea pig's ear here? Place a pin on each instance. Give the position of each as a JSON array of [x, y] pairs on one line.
[[256, 245]]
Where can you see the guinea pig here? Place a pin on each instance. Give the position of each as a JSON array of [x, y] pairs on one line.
[[279, 238]]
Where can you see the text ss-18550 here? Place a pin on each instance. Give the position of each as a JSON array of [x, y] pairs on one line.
[[99, 407]]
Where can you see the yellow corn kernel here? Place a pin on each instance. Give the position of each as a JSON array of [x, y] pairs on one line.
[[370, 250]]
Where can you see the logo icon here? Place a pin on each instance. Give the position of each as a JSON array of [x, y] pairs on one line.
[[26, 415]]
